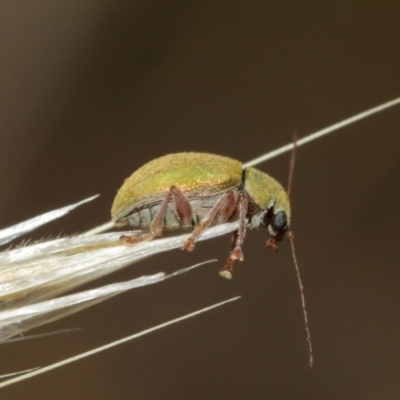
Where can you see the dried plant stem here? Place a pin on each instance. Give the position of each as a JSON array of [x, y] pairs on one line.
[[316, 135]]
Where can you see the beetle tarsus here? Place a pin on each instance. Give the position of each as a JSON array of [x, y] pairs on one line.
[[226, 273], [236, 254], [131, 240], [272, 244], [188, 244]]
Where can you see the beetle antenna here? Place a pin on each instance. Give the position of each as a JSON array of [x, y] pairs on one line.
[[292, 163], [303, 302]]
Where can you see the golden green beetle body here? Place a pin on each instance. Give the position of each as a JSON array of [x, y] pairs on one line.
[[198, 190]]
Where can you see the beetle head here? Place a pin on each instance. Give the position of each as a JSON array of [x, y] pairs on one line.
[[277, 224]]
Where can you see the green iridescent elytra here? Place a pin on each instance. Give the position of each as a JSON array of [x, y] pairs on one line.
[[202, 178]]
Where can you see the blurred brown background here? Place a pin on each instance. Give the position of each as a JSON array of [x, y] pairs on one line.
[[89, 91]]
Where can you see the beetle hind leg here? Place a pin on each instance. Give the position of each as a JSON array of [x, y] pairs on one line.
[[183, 211], [136, 239], [182, 208]]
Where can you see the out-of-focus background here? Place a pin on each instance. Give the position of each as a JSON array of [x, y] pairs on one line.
[[89, 91]]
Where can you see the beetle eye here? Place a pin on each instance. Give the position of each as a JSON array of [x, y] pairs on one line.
[[279, 223]]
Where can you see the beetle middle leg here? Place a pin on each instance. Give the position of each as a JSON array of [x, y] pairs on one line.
[[221, 213], [183, 211]]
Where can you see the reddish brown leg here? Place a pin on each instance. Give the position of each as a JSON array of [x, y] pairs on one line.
[[237, 239], [136, 239], [222, 211], [272, 244], [183, 210]]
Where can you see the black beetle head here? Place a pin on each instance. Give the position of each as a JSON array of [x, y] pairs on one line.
[[276, 222]]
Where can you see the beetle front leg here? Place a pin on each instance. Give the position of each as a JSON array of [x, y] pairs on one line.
[[237, 239], [183, 211]]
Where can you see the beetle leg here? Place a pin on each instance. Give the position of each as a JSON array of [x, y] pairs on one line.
[[136, 239], [237, 238], [227, 209], [183, 211], [222, 211]]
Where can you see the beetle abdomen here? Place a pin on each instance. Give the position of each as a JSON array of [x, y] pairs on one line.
[[141, 217]]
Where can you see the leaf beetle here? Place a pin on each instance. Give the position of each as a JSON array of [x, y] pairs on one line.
[[198, 190]]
